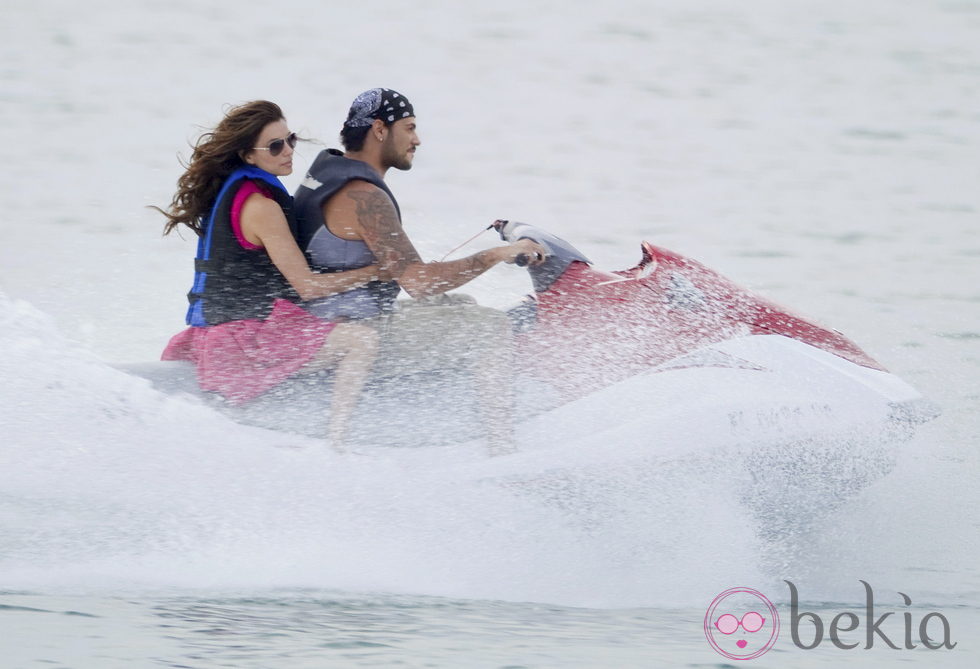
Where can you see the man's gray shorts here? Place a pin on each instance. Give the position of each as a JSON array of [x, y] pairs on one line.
[[440, 332]]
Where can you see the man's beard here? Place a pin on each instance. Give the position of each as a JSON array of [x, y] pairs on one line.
[[391, 158]]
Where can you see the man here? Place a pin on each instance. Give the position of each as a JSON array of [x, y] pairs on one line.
[[350, 219]]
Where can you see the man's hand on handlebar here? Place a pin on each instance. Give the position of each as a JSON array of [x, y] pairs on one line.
[[522, 252]]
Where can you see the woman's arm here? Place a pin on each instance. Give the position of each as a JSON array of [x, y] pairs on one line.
[[264, 224]]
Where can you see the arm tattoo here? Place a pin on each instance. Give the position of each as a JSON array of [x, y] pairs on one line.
[[382, 231], [475, 265]]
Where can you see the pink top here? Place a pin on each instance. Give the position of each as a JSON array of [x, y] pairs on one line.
[[247, 189]]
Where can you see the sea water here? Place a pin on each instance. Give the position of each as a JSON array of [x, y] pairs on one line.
[[823, 153]]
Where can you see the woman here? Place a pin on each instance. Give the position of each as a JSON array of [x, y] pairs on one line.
[[247, 334]]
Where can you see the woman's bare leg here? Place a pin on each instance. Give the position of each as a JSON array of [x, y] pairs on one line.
[[350, 349]]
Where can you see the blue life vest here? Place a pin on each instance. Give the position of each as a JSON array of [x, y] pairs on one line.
[[232, 283]]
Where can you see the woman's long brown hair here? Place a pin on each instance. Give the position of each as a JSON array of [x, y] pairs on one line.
[[217, 154]]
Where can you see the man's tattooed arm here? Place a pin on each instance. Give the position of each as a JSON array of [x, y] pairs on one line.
[[381, 230]]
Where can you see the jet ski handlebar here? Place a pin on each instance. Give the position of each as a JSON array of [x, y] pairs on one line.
[[559, 253]]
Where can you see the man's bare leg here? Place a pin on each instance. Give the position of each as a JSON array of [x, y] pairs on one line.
[[453, 332], [495, 376]]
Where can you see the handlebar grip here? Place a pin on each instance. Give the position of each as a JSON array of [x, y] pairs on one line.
[[521, 260]]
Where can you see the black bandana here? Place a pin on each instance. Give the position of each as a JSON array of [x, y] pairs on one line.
[[378, 103]]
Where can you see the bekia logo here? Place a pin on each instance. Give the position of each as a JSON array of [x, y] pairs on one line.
[[742, 624]]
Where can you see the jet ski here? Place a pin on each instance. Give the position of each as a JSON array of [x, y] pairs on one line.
[[686, 363], [670, 313], [668, 347], [653, 388]]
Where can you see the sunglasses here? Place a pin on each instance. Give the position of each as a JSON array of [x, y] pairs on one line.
[[277, 145], [751, 622]]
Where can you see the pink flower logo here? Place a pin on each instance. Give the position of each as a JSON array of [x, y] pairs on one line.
[[741, 624]]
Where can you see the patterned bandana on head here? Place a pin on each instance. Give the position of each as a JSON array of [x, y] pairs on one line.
[[378, 103]]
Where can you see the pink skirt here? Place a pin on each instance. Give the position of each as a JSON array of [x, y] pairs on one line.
[[243, 359]]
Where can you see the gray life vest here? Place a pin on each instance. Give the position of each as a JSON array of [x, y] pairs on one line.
[[326, 252]]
